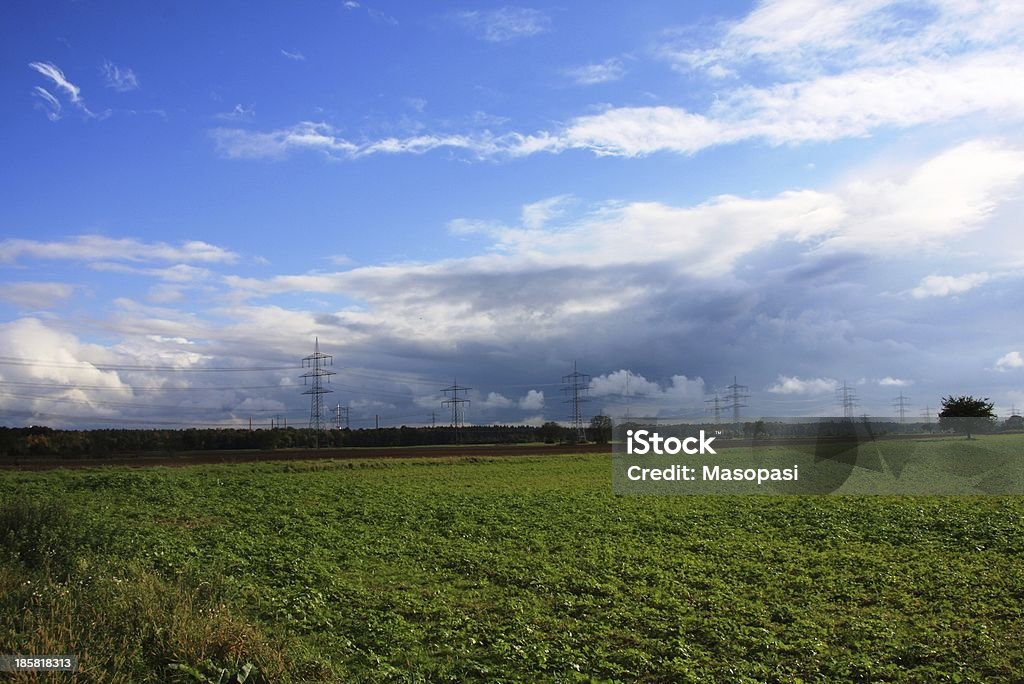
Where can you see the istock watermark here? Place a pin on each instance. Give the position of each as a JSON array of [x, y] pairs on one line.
[[820, 455]]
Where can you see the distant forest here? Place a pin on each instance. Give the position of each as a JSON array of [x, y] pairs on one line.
[[46, 441]]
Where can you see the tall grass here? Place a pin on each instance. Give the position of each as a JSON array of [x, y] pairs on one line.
[[124, 622]]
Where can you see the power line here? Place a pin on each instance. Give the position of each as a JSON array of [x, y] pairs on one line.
[[576, 386], [457, 405], [87, 365], [131, 388], [316, 362], [125, 404]]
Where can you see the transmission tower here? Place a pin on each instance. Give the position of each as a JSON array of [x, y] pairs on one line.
[[847, 398], [340, 413], [1013, 411], [737, 393], [900, 404], [457, 405], [576, 387], [715, 409], [927, 414], [316, 362]]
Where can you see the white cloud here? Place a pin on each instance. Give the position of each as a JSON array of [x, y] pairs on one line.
[[813, 36], [494, 401], [239, 113], [50, 104], [35, 295], [625, 383], [295, 56], [794, 385], [824, 108], [70, 90], [52, 72], [944, 286], [821, 71], [121, 79], [101, 248], [533, 401], [932, 204], [505, 24], [1010, 360], [894, 382], [601, 72], [179, 273], [537, 214], [943, 198], [321, 137]]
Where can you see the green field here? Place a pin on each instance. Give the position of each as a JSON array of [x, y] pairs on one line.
[[517, 569]]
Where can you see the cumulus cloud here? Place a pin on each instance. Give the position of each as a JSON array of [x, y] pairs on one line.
[[533, 401], [1010, 360], [795, 385], [945, 286], [894, 382]]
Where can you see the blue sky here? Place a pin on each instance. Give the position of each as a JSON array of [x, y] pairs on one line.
[[792, 192]]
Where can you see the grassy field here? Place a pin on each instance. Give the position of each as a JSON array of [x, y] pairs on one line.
[[523, 569]]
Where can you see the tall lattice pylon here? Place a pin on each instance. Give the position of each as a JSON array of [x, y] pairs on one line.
[[737, 395], [847, 398], [457, 405], [901, 403], [316, 363], [340, 416], [576, 387], [715, 408]]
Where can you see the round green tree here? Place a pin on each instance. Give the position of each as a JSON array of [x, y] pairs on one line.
[[966, 414]]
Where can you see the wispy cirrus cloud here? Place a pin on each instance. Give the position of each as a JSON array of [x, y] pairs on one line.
[[72, 92], [808, 37], [121, 79], [293, 55], [237, 143], [50, 104], [504, 24], [600, 72], [97, 248], [239, 113]]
